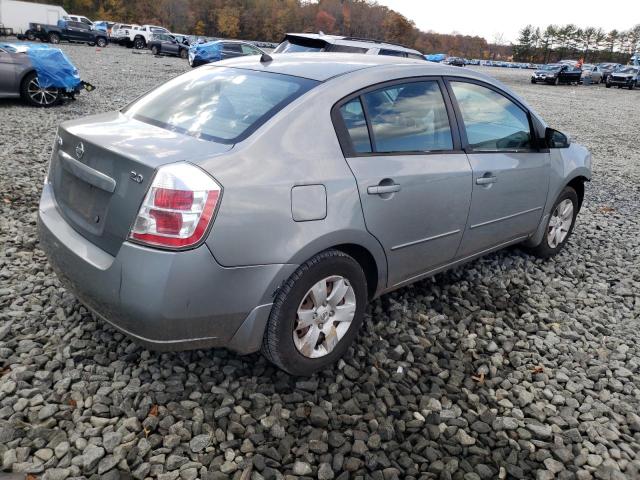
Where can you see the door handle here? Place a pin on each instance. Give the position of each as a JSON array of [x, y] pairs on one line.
[[485, 180], [383, 189]]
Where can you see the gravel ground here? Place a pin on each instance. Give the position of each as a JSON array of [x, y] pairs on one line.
[[509, 367]]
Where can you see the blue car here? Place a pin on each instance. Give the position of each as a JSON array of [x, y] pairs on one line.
[[202, 53]]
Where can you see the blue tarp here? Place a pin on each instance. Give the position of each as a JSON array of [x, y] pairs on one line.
[[436, 57], [53, 67], [205, 52]]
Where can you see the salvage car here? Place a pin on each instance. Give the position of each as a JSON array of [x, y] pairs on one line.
[[556, 73], [168, 44], [42, 76], [592, 73], [607, 69], [259, 203], [203, 53], [70, 31], [626, 77], [320, 42]]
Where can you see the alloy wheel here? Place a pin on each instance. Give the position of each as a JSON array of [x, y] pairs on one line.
[[324, 316], [560, 223], [44, 96]]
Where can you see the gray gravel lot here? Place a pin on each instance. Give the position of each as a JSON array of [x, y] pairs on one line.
[[510, 367]]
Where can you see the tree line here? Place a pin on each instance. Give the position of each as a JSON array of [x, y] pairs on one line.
[[556, 42], [269, 20]]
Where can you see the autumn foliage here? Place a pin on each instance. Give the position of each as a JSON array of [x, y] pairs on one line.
[[269, 20]]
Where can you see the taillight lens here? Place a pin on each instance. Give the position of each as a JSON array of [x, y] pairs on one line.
[[178, 208]]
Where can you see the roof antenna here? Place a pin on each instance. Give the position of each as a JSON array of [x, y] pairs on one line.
[[266, 58]]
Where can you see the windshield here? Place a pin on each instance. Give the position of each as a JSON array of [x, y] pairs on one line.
[[628, 70], [550, 68], [289, 47], [219, 104]]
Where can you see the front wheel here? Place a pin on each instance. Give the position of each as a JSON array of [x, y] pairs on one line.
[[184, 53], [54, 38], [556, 81], [560, 224], [316, 314], [30, 36], [36, 95], [139, 43], [101, 42], [154, 50], [607, 85]]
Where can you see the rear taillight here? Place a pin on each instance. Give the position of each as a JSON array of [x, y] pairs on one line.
[[178, 208]]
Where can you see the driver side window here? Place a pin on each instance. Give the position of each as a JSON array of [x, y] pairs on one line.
[[492, 121]]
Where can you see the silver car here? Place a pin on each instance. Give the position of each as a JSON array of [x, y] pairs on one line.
[[259, 203]]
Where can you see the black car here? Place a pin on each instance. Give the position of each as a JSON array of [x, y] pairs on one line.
[[556, 73], [626, 77], [166, 44], [608, 68], [68, 31], [455, 61]]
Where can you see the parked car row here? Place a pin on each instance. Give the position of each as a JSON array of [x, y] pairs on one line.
[[611, 74]]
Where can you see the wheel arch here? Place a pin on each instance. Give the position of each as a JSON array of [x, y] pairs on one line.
[[577, 183], [364, 248]]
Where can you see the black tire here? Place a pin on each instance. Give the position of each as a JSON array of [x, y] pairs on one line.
[[30, 36], [556, 81], [544, 249], [139, 43], [632, 85], [154, 50], [49, 99], [101, 42], [278, 345], [533, 81], [607, 85], [184, 53], [54, 38]]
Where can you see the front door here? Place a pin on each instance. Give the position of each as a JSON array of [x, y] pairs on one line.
[[414, 181], [8, 85], [169, 45], [510, 175]]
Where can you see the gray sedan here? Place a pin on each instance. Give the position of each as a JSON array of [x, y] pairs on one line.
[[260, 203], [18, 79]]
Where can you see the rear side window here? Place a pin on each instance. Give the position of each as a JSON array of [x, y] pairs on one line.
[[219, 104], [356, 123], [491, 120], [249, 50], [233, 47], [410, 117], [345, 49], [392, 53]]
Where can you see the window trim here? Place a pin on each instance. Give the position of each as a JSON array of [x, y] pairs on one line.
[[344, 138], [535, 140]]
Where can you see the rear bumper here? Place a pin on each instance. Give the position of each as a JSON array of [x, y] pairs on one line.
[[164, 300]]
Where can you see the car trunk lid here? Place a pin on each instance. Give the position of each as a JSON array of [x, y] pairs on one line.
[[102, 167]]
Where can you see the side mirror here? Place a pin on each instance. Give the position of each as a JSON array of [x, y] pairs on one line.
[[556, 139]]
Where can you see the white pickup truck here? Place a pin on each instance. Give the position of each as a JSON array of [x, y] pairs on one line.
[[139, 36]]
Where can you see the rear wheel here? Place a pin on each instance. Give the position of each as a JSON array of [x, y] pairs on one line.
[[154, 50], [632, 85], [139, 43], [560, 224], [101, 42], [317, 314], [36, 95], [30, 36], [54, 38]]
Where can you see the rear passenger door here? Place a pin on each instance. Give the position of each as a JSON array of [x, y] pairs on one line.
[[510, 174], [413, 178]]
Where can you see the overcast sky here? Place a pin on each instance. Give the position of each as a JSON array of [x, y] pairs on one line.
[[488, 17]]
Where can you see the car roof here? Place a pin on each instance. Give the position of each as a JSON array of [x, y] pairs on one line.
[[353, 41], [324, 66]]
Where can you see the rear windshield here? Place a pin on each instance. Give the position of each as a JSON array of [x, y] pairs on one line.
[[297, 45], [219, 104]]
